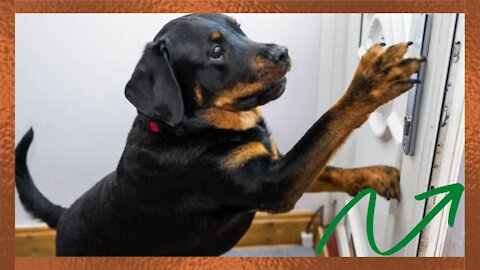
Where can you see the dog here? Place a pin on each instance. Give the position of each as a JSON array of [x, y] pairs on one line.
[[199, 161]]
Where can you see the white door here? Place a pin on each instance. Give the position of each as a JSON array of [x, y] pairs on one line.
[[383, 140]]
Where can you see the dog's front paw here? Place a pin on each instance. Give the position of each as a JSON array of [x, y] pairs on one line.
[[384, 180], [382, 75]]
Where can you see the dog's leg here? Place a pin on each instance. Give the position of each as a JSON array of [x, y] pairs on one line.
[[383, 179], [275, 185]]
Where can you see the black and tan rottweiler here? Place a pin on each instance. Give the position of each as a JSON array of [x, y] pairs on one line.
[[199, 159]]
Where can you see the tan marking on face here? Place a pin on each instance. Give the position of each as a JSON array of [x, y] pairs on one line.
[[198, 95], [233, 120], [274, 147], [228, 96], [215, 35], [268, 70], [242, 154]]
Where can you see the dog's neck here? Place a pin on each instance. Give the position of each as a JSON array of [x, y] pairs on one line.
[[230, 120], [206, 119]]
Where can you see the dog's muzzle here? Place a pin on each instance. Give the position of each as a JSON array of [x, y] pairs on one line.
[[264, 96]]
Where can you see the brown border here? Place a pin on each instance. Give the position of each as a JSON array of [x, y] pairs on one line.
[[316, 263], [7, 132], [235, 6], [472, 153], [472, 133]]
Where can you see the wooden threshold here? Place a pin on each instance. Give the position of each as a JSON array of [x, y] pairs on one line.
[[266, 230], [35, 241], [279, 229]]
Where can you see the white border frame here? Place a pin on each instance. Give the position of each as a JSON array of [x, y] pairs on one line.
[[449, 148]]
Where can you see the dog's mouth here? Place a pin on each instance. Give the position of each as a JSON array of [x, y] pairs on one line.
[[262, 96]]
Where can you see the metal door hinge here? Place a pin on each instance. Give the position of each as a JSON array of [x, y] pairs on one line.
[[456, 51], [445, 116]]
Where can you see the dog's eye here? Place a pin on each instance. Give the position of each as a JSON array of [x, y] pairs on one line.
[[217, 53]]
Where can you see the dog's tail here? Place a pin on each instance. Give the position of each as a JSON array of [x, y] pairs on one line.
[[33, 201]]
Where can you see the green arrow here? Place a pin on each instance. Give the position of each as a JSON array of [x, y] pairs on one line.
[[454, 194]]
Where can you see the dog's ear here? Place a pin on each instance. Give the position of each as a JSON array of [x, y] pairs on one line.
[[153, 88]]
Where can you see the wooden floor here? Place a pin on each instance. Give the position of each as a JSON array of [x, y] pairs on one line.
[[36, 241], [266, 230], [271, 251]]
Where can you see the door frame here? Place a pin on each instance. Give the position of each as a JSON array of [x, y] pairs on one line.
[[443, 30], [419, 167], [450, 143]]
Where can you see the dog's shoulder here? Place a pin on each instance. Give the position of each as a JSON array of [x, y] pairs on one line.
[[163, 149]]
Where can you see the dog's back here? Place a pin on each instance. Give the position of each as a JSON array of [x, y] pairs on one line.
[[147, 208]]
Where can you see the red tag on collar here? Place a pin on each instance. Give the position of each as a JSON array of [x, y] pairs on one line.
[[154, 127]]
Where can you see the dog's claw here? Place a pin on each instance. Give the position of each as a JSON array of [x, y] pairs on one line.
[[392, 184], [416, 81], [409, 43], [357, 188]]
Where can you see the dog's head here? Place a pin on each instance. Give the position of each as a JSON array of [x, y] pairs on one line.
[[203, 61]]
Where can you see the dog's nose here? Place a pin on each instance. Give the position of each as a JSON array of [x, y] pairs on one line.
[[278, 54]]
